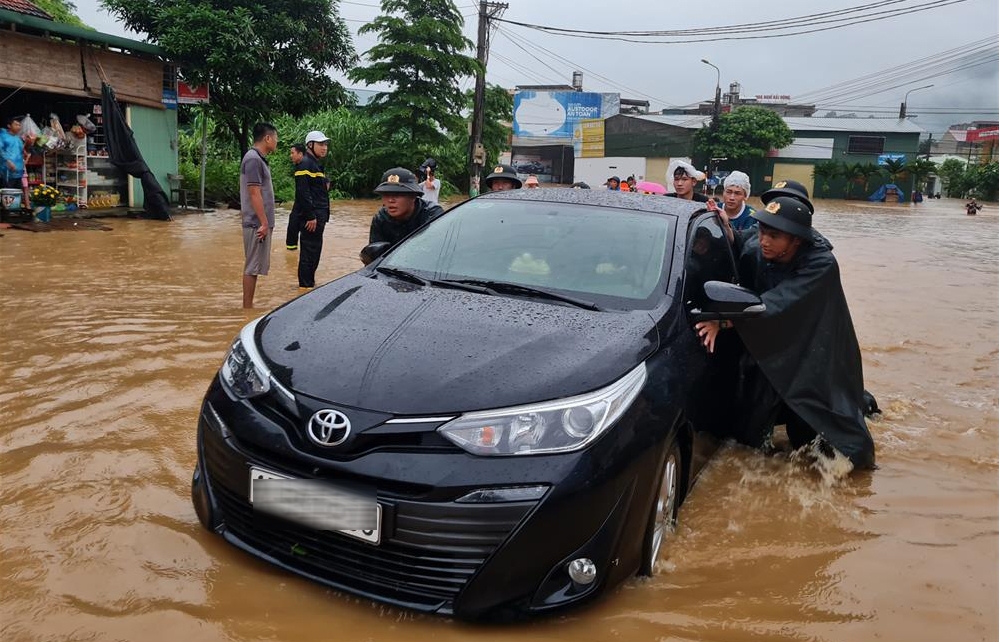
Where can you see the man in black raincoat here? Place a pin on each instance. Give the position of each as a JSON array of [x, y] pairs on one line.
[[803, 362]]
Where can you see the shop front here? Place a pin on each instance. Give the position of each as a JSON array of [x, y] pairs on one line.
[[52, 75]]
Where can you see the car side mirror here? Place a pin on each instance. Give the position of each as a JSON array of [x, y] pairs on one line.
[[728, 301], [372, 251]]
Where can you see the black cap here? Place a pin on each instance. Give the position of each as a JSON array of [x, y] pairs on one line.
[[399, 180], [503, 171], [429, 162], [580, 185], [793, 189], [788, 214]]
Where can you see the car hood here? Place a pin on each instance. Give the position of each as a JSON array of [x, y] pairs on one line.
[[383, 344]]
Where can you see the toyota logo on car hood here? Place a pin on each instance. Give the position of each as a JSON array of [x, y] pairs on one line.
[[329, 427]]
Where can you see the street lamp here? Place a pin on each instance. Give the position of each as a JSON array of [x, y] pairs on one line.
[[902, 105], [718, 90]]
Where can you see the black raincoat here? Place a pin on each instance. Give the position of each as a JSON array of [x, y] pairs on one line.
[[805, 345]]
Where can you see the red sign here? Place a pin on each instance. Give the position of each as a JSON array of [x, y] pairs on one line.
[[191, 95], [979, 135]]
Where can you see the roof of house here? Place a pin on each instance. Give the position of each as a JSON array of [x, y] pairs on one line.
[[24, 6], [42, 26], [805, 123]]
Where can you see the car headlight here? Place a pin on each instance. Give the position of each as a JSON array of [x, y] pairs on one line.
[[555, 426], [243, 370], [245, 374]]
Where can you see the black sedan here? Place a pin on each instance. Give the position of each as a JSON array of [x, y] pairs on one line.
[[498, 416]]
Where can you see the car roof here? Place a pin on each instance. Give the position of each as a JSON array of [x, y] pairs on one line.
[[678, 207]]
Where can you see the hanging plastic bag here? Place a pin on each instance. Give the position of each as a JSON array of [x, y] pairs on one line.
[[56, 125], [29, 130], [87, 124]]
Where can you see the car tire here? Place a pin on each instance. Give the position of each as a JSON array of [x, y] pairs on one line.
[[663, 513]]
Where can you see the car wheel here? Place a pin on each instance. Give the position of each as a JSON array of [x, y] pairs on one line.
[[663, 514]]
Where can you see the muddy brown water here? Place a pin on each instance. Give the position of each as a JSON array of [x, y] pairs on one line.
[[109, 339]]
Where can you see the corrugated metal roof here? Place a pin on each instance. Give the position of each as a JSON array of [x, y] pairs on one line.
[[25, 7], [31, 24], [806, 124]]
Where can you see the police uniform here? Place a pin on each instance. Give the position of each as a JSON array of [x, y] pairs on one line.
[[390, 229]]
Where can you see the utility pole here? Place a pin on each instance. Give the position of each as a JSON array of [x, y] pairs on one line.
[[477, 155]]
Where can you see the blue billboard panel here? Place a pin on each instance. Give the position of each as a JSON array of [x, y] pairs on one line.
[[550, 117]]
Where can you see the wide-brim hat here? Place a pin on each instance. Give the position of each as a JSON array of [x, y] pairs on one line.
[[788, 214], [793, 189], [504, 171], [399, 180]]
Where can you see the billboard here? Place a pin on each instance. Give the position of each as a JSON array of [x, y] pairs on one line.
[[551, 117], [187, 95], [588, 138]]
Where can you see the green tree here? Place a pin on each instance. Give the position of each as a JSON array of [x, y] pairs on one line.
[[853, 174], [920, 169], [747, 133], [825, 172], [499, 113], [984, 180], [952, 174], [260, 59], [421, 55], [61, 11], [894, 168], [869, 171]]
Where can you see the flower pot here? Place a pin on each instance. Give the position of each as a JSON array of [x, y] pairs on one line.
[[43, 213]]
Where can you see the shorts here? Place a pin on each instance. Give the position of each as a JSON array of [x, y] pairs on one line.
[[257, 252]]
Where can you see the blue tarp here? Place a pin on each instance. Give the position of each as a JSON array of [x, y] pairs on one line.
[[879, 194]]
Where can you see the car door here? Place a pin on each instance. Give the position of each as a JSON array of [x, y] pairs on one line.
[[711, 402]]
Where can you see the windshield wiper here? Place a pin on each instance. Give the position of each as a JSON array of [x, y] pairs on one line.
[[402, 275], [514, 288]]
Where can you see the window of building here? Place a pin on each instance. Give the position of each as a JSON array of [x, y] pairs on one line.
[[865, 144]]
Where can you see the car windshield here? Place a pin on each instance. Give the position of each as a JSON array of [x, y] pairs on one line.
[[612, 257]]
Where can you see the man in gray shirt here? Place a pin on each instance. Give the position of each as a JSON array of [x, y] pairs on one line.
[[257, 208]]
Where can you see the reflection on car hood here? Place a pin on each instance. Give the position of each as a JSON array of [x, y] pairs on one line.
[[383, 344]]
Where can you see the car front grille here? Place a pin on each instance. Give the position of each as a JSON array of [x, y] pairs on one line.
[[428, 552]]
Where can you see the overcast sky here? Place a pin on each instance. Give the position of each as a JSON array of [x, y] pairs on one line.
[[951, 45]]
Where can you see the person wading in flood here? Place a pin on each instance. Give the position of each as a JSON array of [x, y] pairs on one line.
[[803, 363], [257, 208], [312, 200]]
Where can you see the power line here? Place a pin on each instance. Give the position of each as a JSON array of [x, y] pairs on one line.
[[702, 35]]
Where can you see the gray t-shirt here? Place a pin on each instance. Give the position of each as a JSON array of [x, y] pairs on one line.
[[254, 170]]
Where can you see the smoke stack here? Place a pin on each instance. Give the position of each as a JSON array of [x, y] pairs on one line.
[[578, 81]]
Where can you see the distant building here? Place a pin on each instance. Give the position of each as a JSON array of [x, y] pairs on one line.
[[972, 141], [780, 104], [644, 145]]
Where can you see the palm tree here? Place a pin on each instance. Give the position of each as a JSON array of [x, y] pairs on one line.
[[920, 169], [852, 173], [894, 167], [825, 172], [869, 171]]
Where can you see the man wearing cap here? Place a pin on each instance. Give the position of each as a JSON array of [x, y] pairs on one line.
[[430, 183], [802, 365], [312, 202], [402, 208], [736, 189], [504, 177], [685, 177]]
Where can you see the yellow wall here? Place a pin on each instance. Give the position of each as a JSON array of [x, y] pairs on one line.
[[794, 172]]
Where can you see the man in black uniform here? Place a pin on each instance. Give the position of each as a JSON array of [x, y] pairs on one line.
[[402, 208], [312, 202], [295, 154], [803, 363]]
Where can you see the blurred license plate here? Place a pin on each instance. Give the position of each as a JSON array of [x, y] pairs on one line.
[[317, 504]]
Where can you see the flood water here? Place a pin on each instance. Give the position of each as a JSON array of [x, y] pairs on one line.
[[110, 338]]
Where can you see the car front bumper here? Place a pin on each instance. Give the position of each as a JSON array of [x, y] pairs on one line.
[[473, 560]]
